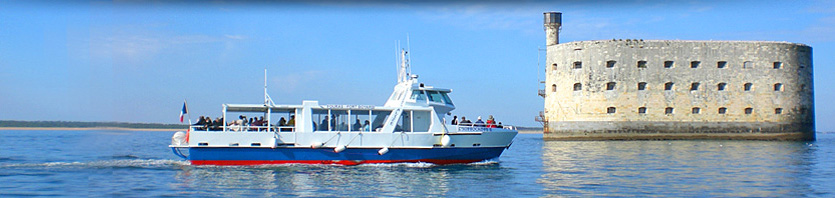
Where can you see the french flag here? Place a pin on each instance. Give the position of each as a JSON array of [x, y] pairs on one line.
[[184, 111]]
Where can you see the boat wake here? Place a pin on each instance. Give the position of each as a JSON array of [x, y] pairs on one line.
[[404, 164], [118, 163]]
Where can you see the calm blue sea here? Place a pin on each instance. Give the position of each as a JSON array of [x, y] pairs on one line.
[[139, 164]]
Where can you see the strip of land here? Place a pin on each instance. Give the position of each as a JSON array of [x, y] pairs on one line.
[[82, 129], [72, 125]]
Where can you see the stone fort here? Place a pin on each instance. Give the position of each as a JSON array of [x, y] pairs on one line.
[[673, 89]]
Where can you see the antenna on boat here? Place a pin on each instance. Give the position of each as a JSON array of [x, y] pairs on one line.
[[408, 49], [267, 99], [402, 75]]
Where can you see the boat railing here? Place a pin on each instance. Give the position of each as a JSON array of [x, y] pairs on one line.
[[243, 128], [480, 125]]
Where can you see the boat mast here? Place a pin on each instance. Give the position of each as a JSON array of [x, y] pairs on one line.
[[403, 75], [267, 99], [268, 102]]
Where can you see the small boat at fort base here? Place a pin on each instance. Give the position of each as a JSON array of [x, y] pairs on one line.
[[408, 128]]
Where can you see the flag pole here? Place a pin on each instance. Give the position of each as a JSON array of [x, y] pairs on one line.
[[185, 102]]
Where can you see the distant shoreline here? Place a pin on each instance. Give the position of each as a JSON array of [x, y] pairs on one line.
[[81, 129], [138, 129], [530, 131]]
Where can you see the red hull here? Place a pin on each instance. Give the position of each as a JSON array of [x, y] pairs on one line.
[[339, 162]]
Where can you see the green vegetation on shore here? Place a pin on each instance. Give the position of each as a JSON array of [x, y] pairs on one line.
[[71, 124]]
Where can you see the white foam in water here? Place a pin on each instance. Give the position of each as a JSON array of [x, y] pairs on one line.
[[404, 164], [141, 163], [485, 162]]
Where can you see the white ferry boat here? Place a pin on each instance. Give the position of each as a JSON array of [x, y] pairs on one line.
[[408, 128]]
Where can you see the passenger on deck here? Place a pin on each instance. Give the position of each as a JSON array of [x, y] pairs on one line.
[[217, 125], [367, 126], [491, 123], [292, 121], [465, 122], [282, 122], [333, 123], [479, 122], [200, 122], [207, 123], [257, 123], [356, 126], [454, 120], [500, 125], [343, 126], [323, 126]]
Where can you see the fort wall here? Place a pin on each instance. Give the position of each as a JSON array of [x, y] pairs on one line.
[[670, 89]]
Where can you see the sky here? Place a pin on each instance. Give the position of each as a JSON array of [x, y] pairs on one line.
[[137, 61]]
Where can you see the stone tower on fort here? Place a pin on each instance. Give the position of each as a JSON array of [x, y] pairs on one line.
[[672, 89]]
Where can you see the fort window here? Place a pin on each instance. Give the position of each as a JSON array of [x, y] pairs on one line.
[[694, 64], [642, 86], [749, 110], [696, 110], [642, 64], [747, 86], [610, 86], [721, 86], [803, 110], [748, 65], [668, 86], [778, 111], [611, 110], [610, 64], [802, 65], [668, 64], [554, 88], [694, 86], [554, 67], [642, 110], [668, 110], [778, 87], [578, 86], [722, 110], [721, 64], [578, 65], [778, 65], [802, 87]]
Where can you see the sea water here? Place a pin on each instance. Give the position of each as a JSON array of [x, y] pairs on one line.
[[139, 164]]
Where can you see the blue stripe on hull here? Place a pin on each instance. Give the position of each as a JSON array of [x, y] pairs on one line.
[[353, 154]]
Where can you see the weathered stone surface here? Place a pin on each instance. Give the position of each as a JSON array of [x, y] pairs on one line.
[[780, 98]]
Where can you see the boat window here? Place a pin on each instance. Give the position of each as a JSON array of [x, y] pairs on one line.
[[405, 122], [340, 120], [378, 117], [359, 117], [446, 98], [321, 119], [418, 95], [435, 96], [421, 121]]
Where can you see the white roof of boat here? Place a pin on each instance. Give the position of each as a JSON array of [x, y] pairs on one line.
[[292, 108], [259, 107]]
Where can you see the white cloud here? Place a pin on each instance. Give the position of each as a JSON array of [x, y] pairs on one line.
[[235, 37], [133, 44]]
